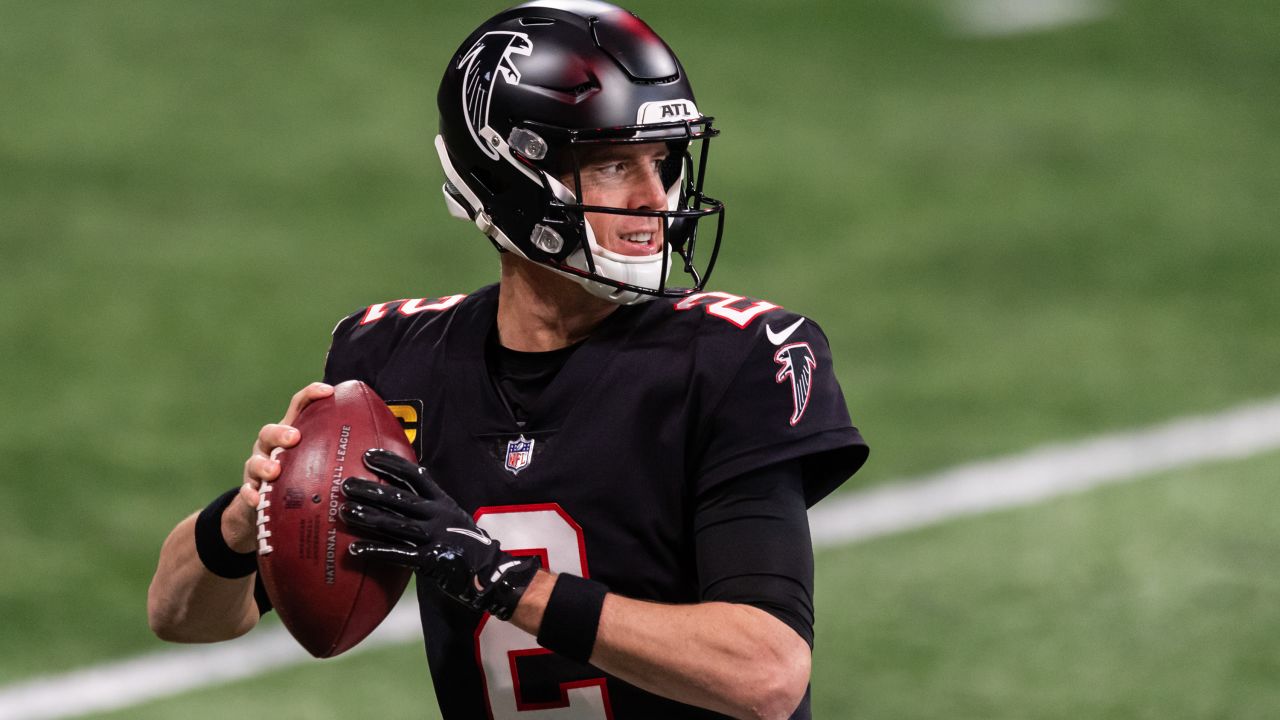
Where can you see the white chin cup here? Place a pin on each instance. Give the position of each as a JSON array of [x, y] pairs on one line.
[[640, 270]]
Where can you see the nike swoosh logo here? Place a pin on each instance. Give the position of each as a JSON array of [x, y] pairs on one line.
[[470, 534], [777, 338], [502, 569]]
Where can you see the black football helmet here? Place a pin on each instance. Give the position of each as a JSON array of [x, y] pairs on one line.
[[527, 94]]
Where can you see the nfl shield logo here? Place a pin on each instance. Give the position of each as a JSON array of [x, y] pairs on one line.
[[519, 454]]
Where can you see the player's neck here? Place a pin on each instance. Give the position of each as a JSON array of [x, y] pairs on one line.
[[539, 310]]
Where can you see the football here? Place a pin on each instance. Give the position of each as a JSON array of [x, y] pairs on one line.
[[328, 600]]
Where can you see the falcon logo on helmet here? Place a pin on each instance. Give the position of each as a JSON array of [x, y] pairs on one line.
[[482, 65]]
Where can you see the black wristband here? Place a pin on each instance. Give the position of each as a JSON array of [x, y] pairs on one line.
[[572, 616], [212, 548]]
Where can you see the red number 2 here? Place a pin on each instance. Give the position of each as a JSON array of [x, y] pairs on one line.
[[502, 648], [723, 307]]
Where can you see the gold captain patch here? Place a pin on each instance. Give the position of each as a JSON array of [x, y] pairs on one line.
[[409, 413]]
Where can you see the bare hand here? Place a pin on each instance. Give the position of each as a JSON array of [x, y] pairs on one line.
[[239, 522]]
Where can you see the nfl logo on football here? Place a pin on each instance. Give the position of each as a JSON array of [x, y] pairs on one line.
[[519, 454]]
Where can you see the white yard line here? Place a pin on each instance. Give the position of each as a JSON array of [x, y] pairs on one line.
[[124, 683], [1046, 472], [1018, 480], [985, 18]]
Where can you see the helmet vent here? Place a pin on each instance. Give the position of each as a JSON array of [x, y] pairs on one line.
[[527, 21], [581, 89], [635, 48]]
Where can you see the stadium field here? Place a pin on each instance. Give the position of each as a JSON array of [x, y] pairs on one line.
[[1009, 241]]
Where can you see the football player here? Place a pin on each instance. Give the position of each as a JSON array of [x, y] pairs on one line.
[[609, 517]]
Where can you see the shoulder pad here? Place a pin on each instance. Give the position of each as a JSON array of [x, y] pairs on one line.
[[736, 310], [771, 390], [364, 340], [406, 308], [743, 319]]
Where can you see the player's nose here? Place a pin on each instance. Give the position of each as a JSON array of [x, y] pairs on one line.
[[648, 192]]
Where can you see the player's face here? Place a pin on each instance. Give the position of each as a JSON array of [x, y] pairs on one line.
[[624, 176]]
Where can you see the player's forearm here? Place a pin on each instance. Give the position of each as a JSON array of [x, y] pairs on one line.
[[187, 603], [734, 659]]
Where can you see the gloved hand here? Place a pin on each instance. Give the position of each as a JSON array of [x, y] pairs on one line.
[[413, 522]]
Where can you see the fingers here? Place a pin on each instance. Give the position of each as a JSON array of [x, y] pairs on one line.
[[259, 469], [388, 497], [250, 495], [273, 436], [443, 565], [375, 522], [382, 552], [391, 465], [262, 465], [405, 473], [303, 398]]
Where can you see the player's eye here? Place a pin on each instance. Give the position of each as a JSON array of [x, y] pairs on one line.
[[614, 169], [606, 173]]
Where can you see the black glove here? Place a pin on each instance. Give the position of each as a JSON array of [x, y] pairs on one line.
[[421, 527]]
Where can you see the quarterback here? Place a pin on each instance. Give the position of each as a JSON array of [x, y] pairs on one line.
[[609, 515]]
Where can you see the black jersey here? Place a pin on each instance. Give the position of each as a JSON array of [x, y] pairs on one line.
[[664, 402]]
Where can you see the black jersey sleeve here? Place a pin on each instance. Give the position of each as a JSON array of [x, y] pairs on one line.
[[753, 546], [364, 341], [783, 402], [358, 350]]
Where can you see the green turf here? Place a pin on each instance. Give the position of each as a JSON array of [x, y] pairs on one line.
[[385, 683], [1008, 241], [1150, 600]]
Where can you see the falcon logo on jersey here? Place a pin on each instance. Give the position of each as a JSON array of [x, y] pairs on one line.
[[519, 454], [482, 65], [797, 364]]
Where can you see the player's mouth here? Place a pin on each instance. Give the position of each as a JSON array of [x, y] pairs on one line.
[[644, 242]]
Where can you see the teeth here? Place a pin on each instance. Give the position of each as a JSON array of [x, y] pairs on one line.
[[639, 237]]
